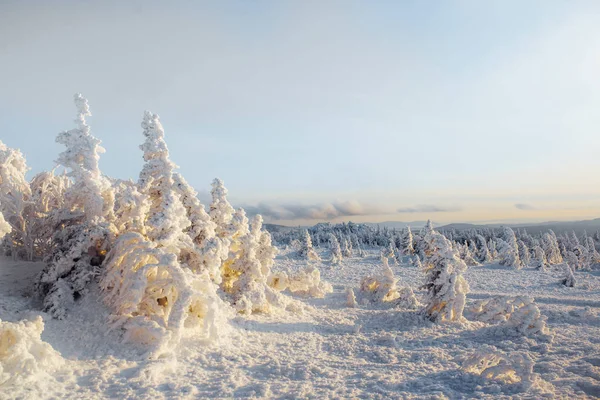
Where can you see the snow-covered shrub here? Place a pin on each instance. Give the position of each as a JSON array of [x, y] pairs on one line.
[[508, 249], [47, 210], [221, 212], [307, 251], [23, 354], [384, 289], [74, 262], [336, 250], [307, 282], [248, 277], [153, 298], [519, 313], [493, 364], [445, 285], [569, 279], [351, 298]]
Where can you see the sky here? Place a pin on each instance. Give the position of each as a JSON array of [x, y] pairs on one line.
[[457, 111]]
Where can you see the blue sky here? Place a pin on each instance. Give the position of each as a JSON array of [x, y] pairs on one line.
[[310, 110]]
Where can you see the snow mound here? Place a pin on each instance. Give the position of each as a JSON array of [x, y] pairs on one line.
[[154, 298], [23, 354], [518, 312]]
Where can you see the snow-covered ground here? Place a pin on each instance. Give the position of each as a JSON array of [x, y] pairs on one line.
[[326, 351]]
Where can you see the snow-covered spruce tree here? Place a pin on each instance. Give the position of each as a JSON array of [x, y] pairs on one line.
[[336, 251], [91, 192], [83, 230], [483, 253], [407, 243], [166, 220], [569, 279], [221, 212], [593, 255], [208, 251], [306, 250], [445, 285], [539, 258], [492, 249], [346, 247], [15, 197], [524, 254], [249, 290], [550, 246], [508, 249], [148, 283]]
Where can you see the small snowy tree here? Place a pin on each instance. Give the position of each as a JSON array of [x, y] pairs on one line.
[[307, 251], [346, 248], [383, 289], [569, 279], [539, 258], [15, 197], [166, 220], [550, 246], [221, 212], [445, 285], [336, 251], [508, 249], [407, 243], [524, 255], [351, 298], [91, 193]]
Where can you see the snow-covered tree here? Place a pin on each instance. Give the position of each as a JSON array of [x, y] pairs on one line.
[[445, 285], [306, 250], [539, 258], [15, 197], [407, 243], [550, 246], [83, 230], [508, 249], [346, 247], [336, 251], [91, 193], [569, 279], [384, 289], [167, 219], [524, 254], [221, 212]]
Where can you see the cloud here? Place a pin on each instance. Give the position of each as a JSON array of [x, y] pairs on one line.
[[523, 206], [427, 208], [316, 211]]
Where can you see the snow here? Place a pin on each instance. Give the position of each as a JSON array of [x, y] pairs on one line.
[[321, 350]]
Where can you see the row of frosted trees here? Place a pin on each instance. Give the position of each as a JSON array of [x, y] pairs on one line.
[[503, 245], [162, 261]]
